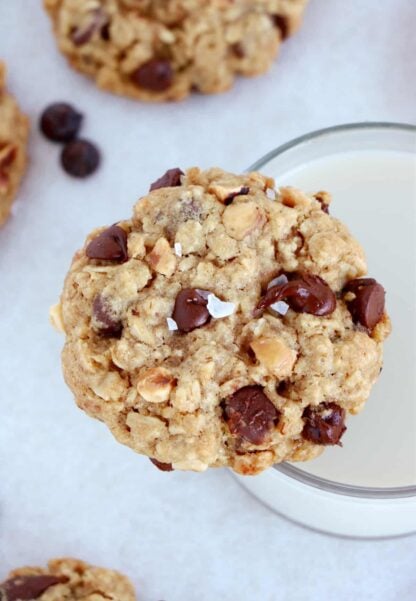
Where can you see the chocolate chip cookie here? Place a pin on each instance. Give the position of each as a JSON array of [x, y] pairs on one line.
[[226, 323], [163, 49], [14, 129], [68, 579]]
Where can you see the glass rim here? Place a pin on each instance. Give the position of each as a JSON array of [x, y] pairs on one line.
[[289, 470], [318, 133]]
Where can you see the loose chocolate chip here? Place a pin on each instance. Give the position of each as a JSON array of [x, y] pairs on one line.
[[170, 179], [190, 310], [156, 75], [367, 308], [243, 191], [60, 122], [281, 23], [304, 293], [324, 424], [250, 414], [110, 245], [80, 158], [163, 467], [25, 588], [106, 323]]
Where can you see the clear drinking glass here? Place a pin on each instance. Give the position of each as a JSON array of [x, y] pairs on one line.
[[367, 489]]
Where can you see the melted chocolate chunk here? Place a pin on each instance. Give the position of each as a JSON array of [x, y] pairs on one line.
[[190, 311], [170, 179], [367, 308], [250, 414], [282, 24], [243, 191], [156, 75], [105, 322], [163, 467], [238, 50], [28, 588], [304, 293], [324, 424], [82, 35], [60, 122], [110, 245], [321, 198]]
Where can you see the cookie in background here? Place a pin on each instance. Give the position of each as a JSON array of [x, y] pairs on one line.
[[165, 49]]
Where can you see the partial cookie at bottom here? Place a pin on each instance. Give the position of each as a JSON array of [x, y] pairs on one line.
[[69, 579]]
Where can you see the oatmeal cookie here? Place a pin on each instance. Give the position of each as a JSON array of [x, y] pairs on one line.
[[14, 129], [224, 324], [163, 49], [68, 579]]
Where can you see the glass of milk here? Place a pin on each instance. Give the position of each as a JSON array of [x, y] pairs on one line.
[[367, 488]]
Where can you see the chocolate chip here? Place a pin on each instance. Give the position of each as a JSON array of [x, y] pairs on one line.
[[238, 50], [190, 310], [304, 293], [367, 308], [163, 467], [110, 245], [170, 179], [60, 122], [82, 35], [250, 414], [324, 424], [283, 387], [322, 197], [25, 588], [243, 191], [105, 32], [282, 24], [80, 158], [155, 75], [106, 323], [8, 155]]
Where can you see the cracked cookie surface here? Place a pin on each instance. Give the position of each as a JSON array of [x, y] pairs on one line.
[[14, 129], [68, 579], [163, 49], [225, 324]]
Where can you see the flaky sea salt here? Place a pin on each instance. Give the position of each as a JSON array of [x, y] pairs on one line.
[[178, 249], [280, 307], [280, 280], [270, 193], [218, 308], [172, 325]]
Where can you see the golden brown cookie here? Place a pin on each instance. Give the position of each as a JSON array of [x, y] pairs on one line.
[[66, 579], [14, 130], [225, 324], [163, 49]]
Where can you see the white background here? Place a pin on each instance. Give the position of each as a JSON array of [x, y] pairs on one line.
[[66, 488]]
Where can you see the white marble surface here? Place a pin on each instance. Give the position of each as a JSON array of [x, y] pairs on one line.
[[66, 487]]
